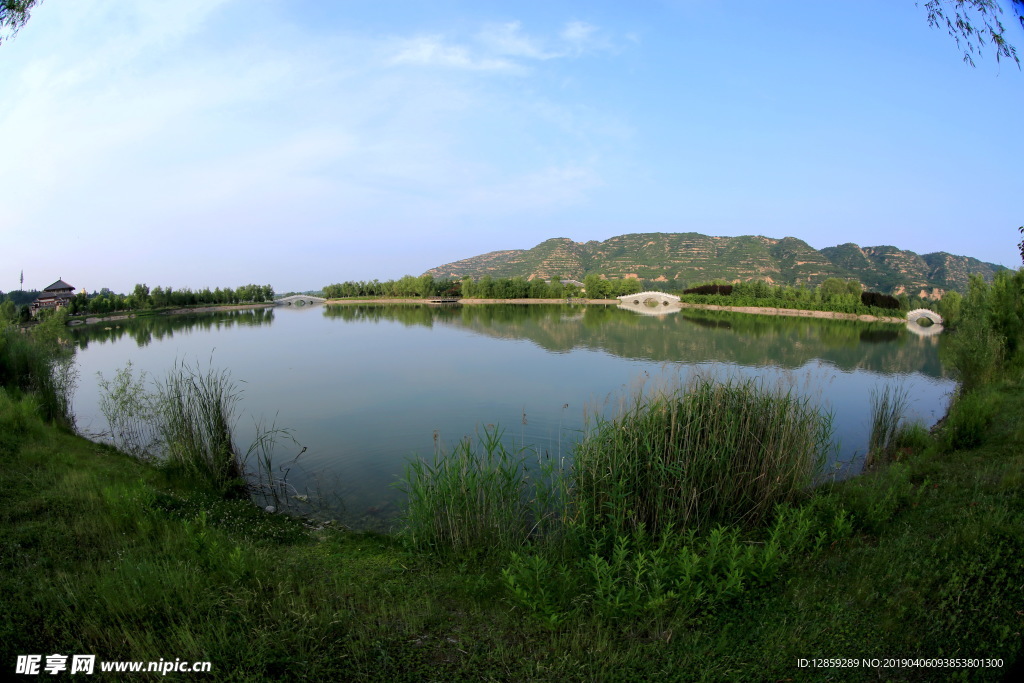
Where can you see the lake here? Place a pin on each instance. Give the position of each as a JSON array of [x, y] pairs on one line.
[[364, 387]]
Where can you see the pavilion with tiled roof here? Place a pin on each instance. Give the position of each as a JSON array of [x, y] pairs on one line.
[[56, 295]]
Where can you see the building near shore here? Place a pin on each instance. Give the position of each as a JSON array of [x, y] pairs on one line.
[[53, 297]]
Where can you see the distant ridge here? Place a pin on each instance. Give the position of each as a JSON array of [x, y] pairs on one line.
[[689, 258]]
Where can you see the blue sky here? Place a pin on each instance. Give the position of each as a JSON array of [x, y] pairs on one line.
[[198, 143]]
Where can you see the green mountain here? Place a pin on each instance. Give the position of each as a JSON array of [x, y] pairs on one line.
[[690, 258]]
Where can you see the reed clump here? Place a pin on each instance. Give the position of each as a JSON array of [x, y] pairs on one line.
[[689, 457], [186, 421], [477, 498], [195, 414], [888, 417]]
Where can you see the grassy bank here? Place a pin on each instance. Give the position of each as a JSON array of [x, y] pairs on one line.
[[684, 544], [104, 555]]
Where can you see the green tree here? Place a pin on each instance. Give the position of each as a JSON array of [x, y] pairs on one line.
[[484, 288], [8, 312], [834, 286], [141, 294], [79, 303], [949, 307], [975, 23], [13, 15], [425, 285], [595, 287]]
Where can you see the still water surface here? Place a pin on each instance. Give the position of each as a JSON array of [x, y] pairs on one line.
[[365, 387]]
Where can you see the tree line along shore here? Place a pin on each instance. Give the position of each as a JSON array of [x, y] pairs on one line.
[[833, 295]]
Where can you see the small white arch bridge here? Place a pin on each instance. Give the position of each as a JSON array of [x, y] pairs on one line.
[[650, 303], [299, 300], [917, 314]]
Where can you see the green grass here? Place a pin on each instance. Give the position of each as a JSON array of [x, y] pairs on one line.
[[969, 419], [102, 554], [508, 572]]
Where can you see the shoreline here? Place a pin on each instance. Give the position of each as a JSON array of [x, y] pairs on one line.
[[797, 313], [91, 320], [753, 310]]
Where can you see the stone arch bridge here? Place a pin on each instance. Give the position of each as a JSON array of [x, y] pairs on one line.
[[650, 303], [299, 300], [915, 317], [917, 314]]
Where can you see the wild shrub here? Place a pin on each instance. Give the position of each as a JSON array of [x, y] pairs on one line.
[[968, 420], [633, 576], [40, 363], [129, 411], [988, 335]]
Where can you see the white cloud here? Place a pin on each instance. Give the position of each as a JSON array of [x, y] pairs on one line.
[[498, 47], [578, 34], [433, 51], [508, 39]]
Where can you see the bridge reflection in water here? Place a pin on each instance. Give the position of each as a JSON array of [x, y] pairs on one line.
[[650, 303]]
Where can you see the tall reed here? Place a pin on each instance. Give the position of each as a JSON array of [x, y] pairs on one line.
[[186, 422], [195, 414], [888, 413], [475, 498], [687, 457]]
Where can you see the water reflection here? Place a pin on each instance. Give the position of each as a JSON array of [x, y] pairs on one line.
[[366, 386], [143, 330]]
